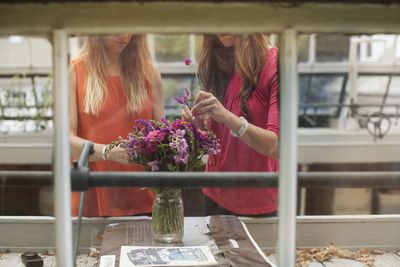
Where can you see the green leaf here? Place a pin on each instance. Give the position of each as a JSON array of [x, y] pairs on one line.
[[172, 167]]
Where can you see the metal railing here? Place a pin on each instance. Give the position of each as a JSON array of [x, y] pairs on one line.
[[382, 179]]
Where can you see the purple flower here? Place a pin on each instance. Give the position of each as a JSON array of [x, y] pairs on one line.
[[153, 165], [187, 92], [184, 99], [165, 122], [188, 61], [180, 146], [148, 125], [179, 100]]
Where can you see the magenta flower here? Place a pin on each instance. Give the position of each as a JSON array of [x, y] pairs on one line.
[[188, 61], [155, 136]]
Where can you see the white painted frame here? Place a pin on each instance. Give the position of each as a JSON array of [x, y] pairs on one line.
[[60, 19]]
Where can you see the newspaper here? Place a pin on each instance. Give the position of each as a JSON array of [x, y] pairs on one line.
[[166, 256]]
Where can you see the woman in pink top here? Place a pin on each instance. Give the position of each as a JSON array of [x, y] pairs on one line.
[[240, 96]]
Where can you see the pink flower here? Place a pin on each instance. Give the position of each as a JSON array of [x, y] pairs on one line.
[[188, 61], [155, 135], [202, 133]]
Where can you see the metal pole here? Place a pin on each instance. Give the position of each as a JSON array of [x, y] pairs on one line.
[[287, 150], [61, 152], [87, 150], [78, 228], [379, 179]]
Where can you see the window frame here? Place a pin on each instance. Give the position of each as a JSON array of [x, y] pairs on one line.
[[177, 17]]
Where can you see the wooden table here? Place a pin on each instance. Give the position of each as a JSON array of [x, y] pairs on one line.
[[226, 236]]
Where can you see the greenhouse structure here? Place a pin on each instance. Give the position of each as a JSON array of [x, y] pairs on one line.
[[338, 182]]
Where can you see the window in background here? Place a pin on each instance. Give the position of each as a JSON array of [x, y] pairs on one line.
[[371, 90], [332, 48], [25, 84], [26, 104], [174, 86], [394, 92], [378, 48], [169, 53], [171, 48], [320, 96], [303, 48]]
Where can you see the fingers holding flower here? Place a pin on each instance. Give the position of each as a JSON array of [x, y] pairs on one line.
[[186, 114], [207, 104]]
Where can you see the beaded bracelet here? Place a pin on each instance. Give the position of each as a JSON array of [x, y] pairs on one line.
[[104, 153], [242, 129], [108, 147]]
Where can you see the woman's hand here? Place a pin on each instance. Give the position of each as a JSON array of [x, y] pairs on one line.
[[119, 154], [186, 115], [208, 104]]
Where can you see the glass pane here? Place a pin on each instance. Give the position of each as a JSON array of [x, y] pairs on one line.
[[171, 48], [320, 89], [394, 89], [397, 48], [303, 48], [378, 48], [15, 51], [197, 48], [371, 90], [41, 52], [332, 48], [393, 98], [372, 84], [174, 87], [319, 99], [26, 104]]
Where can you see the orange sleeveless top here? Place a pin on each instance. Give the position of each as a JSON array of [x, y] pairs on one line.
[[113, 121]]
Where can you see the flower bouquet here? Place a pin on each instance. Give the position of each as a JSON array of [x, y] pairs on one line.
[[171, 147]]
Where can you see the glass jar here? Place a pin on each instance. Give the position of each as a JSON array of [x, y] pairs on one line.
[[168, 216]]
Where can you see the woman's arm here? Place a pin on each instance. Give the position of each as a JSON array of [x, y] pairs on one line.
[[76, 143], [157, 94], [263, 141]]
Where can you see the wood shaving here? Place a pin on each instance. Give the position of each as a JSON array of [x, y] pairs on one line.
[[308, 255], [99, 236], [94, 252], [49, 252], [267, 253]]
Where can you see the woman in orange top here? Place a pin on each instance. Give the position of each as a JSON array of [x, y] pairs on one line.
[[112, 83]]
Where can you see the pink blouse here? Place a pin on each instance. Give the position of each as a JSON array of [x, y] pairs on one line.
[[237, 156]]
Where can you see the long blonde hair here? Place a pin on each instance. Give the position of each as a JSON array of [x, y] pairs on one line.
[[217, 65], [134, 61]]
